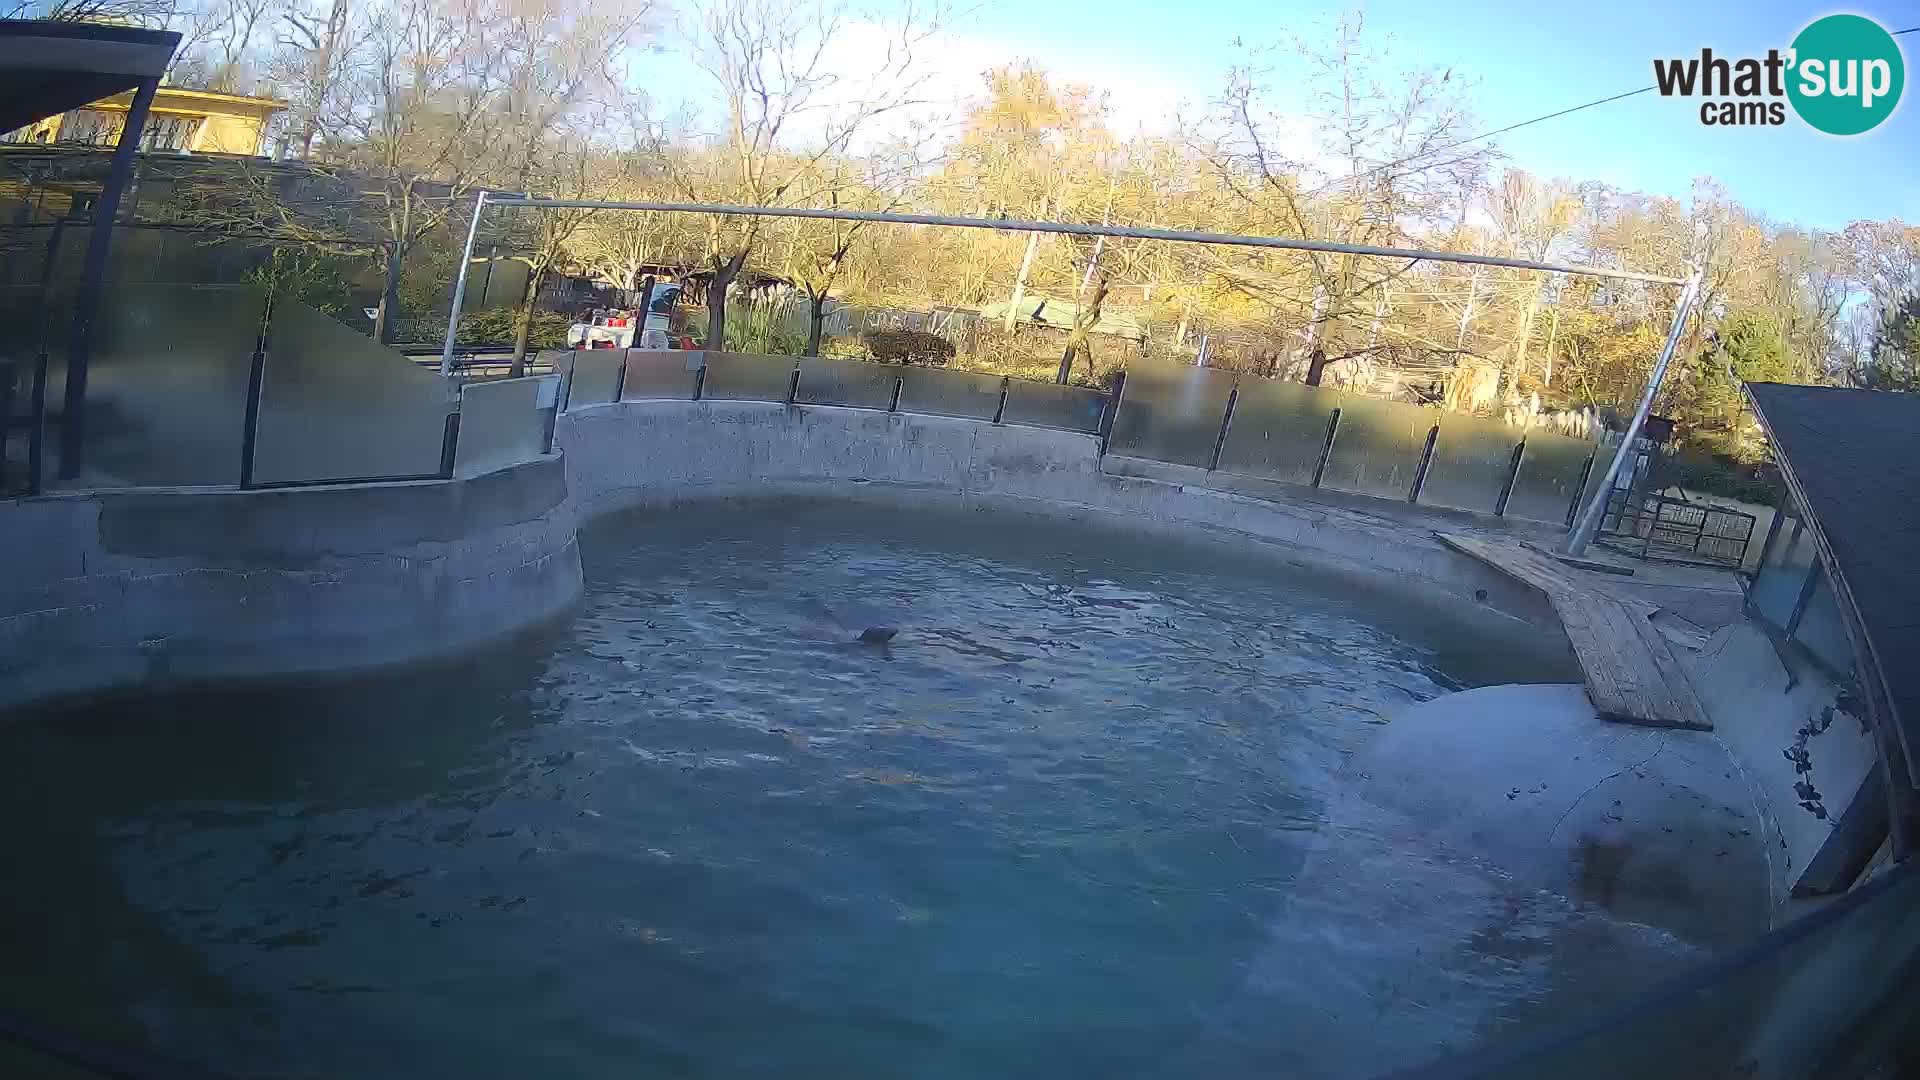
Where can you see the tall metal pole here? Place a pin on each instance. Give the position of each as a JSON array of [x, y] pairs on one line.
[[460, 284], [1589, 523], [86, 302]]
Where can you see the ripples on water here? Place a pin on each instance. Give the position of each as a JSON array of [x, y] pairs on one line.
[[1052, 829]]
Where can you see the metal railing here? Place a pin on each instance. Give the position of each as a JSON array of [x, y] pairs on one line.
[[212, 386], [1233, 425]]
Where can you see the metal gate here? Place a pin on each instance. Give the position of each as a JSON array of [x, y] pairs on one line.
[[1655, 526]]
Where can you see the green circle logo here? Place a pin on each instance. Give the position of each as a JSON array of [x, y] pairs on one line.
[[1846, 76]]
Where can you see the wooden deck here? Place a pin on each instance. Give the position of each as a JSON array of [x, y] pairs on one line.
[[1632, 676]]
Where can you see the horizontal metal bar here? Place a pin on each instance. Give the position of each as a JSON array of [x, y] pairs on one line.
[[1072, 229], [281, 485]]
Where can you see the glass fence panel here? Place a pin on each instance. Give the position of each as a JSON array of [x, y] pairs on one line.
[[596, 375], [1822, 632], [660, 374], [71, 256], [858, 383], [1776, 588], [21, 325], [1378, 446], [1471, 459], [1597, 476], [21, 252], [336, 405], [1045, 404], [948, 393], [503, 422], [747, 377], [1549, 476], [1279, 430], [1821, 996], [20, 333], [166, 386], [29, 325], [158, 256], [1171, 414]]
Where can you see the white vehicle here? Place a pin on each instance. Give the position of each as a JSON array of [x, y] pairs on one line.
[[617, 329]]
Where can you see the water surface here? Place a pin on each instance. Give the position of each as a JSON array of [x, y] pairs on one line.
[[1053, 828]]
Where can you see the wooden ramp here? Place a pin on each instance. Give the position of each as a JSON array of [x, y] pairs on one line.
[[1631, 674]]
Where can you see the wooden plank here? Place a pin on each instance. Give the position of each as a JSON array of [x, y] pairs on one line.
[[1516, 562], [1640, 691], [1687, 710], [1631, 673]]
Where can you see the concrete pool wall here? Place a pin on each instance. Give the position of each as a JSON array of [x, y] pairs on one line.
[[656, 453], [144, 589], [119, 590]]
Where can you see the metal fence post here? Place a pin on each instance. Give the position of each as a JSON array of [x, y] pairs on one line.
[[1111, 409], [1580, 489], [793, 385], [899, 382], [449, 445], [1426, 462], [460, 284], [1513, 477], [256, 382], [1326, 448], [700, 378], [1226, 421], [1000, 410], [37, 395], [620, 379]]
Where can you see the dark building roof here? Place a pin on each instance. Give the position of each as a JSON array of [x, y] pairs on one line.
[[47, 68], [1852, 459]]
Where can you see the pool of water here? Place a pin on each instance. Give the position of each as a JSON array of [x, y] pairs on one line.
[[1055, 827]]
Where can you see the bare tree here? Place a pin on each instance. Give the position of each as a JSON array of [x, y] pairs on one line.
[[1379, 158], [149, 13], [418, 121], [217, 44], [788, 107], [558, 68], [311, 64]]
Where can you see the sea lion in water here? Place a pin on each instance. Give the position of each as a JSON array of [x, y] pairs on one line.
[[844, 616]]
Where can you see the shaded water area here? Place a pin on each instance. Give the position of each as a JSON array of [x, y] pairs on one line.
[[1057, 826]]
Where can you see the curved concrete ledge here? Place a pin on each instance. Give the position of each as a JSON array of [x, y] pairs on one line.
[[123, 590], [1509, 834], [111, 591]]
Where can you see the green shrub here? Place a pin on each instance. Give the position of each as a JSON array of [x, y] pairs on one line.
[[315, 278], [497, 326], [1715, 474]]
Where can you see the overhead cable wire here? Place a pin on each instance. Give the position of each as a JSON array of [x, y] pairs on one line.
[[1512, 127]]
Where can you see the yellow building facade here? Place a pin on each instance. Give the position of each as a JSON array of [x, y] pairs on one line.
[[194, 121]]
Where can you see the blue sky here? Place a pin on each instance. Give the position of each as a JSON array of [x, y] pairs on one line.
[[1530, 58]]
